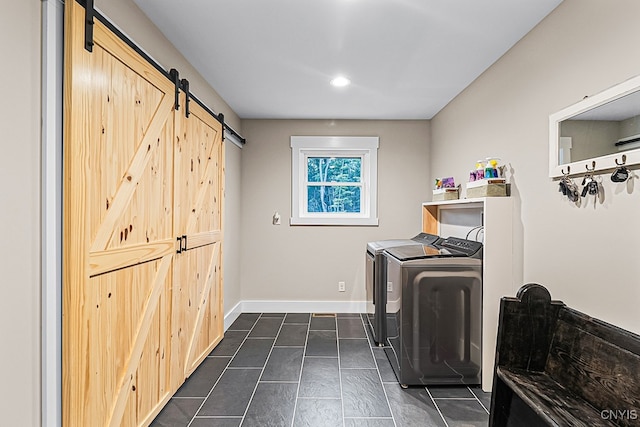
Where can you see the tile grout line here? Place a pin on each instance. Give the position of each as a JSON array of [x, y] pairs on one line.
[[321, 357], [214, 417], [455, 398], [243, 368], [478, 399], [464, 399], [384, 390], [304, 353], [367, 369], [368, 418], [319, 398], [437, 407], [223, 371], [263, 366]]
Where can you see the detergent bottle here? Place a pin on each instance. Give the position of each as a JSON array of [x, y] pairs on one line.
[[480, 170], [491, 168]]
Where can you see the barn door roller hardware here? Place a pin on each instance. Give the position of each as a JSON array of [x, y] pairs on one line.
[[184, 83], [228, 131], [88, 25], [224, 126], [175, 78]]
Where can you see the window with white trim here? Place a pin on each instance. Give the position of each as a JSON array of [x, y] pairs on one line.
[[334, 180]]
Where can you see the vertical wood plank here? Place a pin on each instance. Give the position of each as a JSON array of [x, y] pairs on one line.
[[74, 337]]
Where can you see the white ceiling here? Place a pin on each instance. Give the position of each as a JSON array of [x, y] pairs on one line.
[[406, 58]]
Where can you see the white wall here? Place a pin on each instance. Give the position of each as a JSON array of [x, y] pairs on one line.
[[587, 256], [294, 263], [134, 23], [20, 213]]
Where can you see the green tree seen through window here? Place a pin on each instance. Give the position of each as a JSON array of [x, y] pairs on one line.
[[330, 184]]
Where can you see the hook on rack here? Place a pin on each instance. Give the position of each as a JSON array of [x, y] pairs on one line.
[[624, 160], [593, 166], [621, 174], [568, 171]]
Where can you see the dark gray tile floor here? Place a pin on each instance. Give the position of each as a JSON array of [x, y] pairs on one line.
[[294, 370]]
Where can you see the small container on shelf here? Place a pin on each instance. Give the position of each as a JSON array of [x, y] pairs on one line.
[[445, 189], [441, 194], [487, 180], [488, 187]]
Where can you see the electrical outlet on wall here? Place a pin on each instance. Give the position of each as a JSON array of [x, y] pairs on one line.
[[341, 287], [389, 286]]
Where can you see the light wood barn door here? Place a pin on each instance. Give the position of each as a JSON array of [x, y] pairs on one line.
[[118, 240], [197, 287]]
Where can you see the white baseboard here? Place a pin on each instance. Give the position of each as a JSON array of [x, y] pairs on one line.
[[264, 306], [232, 315]]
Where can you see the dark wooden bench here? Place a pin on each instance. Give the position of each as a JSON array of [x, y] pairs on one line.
[[557, 366]]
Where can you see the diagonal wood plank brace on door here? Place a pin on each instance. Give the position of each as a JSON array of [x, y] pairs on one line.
[[192, 360], [142, 331], [132, 176]]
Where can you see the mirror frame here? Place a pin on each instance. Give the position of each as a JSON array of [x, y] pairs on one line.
[[597, 164]]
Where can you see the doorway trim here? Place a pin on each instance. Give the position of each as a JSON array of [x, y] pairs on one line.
[[52, 69]]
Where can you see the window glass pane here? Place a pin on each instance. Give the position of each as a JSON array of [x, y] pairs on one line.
[[334, 169], [333, 198]]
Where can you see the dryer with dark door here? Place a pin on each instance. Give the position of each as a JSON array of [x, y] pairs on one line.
[[434, 319]]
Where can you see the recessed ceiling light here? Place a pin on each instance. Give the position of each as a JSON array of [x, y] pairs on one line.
[[340, 81]]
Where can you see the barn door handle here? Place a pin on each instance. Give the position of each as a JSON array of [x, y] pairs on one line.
[[184, 83], [175, 78], [182, 244]]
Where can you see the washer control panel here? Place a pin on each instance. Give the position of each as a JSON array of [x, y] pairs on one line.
[[468, 247]]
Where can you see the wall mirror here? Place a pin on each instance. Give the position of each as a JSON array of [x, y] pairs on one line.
[[598, 133]]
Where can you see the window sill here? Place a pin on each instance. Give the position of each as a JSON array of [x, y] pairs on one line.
[[371, 222]]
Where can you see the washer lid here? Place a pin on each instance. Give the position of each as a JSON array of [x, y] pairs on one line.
[[380, 245], [406, 253], [426, 238]]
